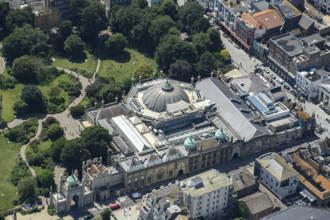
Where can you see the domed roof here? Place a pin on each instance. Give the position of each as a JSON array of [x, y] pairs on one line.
[[157, 97], [72, 180], [220, 134], [190, 144]]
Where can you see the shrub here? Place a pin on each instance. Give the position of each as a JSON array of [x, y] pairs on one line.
[[77, 111], [54, 131], [51, 210], [49, 120]]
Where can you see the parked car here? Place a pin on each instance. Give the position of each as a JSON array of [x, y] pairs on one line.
[[114, 206], [280, 81], [267, 70], [272, 76], [89, 216], [136, 195], [286, 86], [293, 92]]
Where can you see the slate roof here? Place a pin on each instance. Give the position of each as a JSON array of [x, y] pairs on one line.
[[299, 213], [269, 18], [257, 202], [261, 5], [252, 83], [243, 179], [305, 22]]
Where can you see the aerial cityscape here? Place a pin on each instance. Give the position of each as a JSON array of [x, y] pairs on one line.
[[165, 109]]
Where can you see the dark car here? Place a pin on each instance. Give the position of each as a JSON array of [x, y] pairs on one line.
[[89, 216], [286, 87], [293, 92]]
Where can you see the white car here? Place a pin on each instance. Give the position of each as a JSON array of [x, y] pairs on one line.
[[136, 195], [267, 71], [280, 81]]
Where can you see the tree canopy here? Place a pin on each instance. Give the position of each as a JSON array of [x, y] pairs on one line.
[[159, 27], [19, 17], [93, 20], [4, 10], [189, 13], [27, 189], [25, 41], [32, 95], [170, 8], [115, 44], [77, 6], [214, 36], [24, 69], [181, 70], [206, 64], [145, 71], [201, 43], [74, 46]]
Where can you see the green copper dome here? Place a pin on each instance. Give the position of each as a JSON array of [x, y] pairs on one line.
[[190, 144], [72, 180], [220, 134], [167, 86]]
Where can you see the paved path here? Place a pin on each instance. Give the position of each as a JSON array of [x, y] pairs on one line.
[[2, 65]]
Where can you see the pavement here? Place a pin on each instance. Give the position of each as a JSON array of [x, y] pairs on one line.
[[2, 65]]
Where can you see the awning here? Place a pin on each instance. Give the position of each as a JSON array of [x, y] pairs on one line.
[[237, 38]]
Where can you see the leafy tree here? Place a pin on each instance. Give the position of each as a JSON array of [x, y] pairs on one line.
[[33, 97], [145, 71], [139, 3], [201, 25], [21, 108], [16, 18], [93, 89], [110, 91], [73, 154], [54, 131], [56, 149], [201, 43], [23, 41], [106, 214], [74, 46], [19, 171], [225, 56], [26, 189], [159, 27], [115, 44], [77, 6], [188, 14], [77, 111], [93, 20], [206, 64], [214, 36], [96, 140], [65, 29], [242, 209], [4, 10], [171, 48], [181, 70], [24, 69], [169, 8], [46, 178]]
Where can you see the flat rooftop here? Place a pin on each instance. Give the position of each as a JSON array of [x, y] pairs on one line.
[[205, 183], [289, 43]]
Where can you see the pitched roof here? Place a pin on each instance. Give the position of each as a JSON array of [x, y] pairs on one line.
[[269, 18], [249, 20], [305, 22], [257, 202], [243, 179]]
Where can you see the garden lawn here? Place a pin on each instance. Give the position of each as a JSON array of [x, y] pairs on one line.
[[7, 162], [9, 97], [46, 88], [122, 68], [64, 62]]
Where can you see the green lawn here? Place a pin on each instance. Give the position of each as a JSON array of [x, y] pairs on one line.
[[124, 66], [7, 162], [46, 88], [64, 62], [9, 97]]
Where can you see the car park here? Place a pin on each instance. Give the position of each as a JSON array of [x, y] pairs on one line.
[[114, 206], [136, 195]]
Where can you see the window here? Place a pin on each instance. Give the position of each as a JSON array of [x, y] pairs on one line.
[[170, 174], [276, 184]]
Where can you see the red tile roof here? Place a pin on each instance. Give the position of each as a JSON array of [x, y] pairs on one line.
[[269, 18]]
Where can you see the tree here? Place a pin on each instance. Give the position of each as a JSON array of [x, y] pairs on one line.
[[145, 71], [24, 69], [26, 189], [242, 210], [93, 20], [159, 27], [23, 41], [201, 43], [214, 36], [54, 131], [19, 17], [169, 8], [73, 154], [21, 108], [32, 95], [180, 70], [74, 46], [171, 48], [139, 3], [225, 56], [4, 10], [46, 179], [206, 64], [77, 111], [96, 140], [110, 91], [65, 29], [77, 6], [201, 25], [106, 214], [56, 149], [115, 44], [188, 14]]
